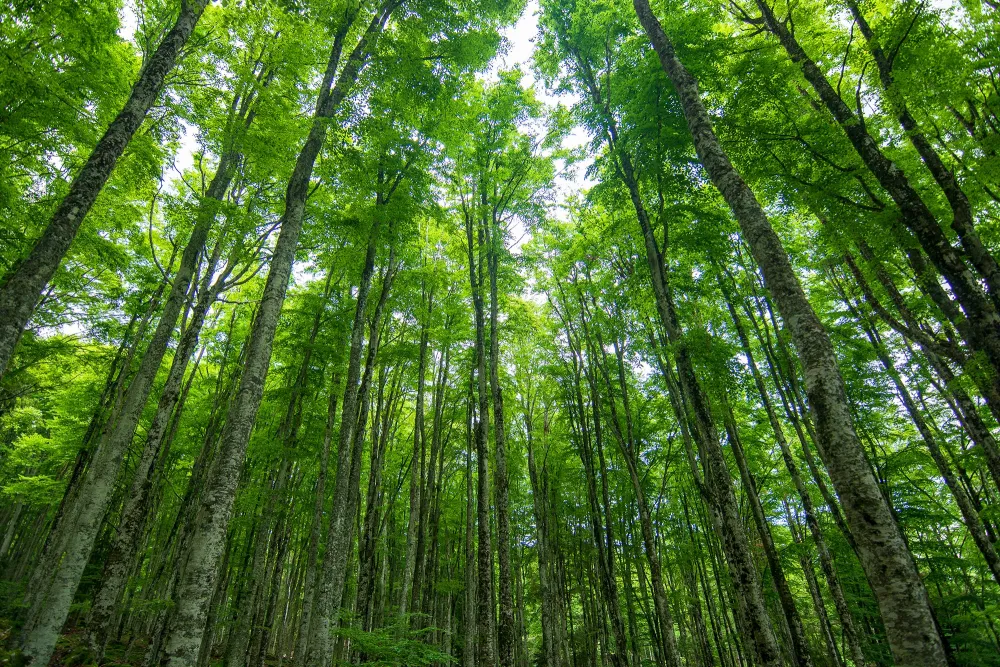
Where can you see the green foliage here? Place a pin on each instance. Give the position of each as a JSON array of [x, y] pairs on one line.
[[395, 645], [451, 157]]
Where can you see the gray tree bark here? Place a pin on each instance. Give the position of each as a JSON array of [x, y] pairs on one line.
[[897, 585], [826, 560], [341, 524], [469, 602], [551, 640], [316, 528], [973, 522], [800, 645], [78, 530], [962, 217], [486, 621], [626, 441], [125, 546], [22, 288], [207, 539], [417, 463], [982, 318], [506, 629]]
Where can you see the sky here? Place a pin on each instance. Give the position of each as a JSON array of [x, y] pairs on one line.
[[521, 46]]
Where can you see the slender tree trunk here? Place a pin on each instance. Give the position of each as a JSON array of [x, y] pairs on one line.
[[486, 622], [330, 586], [973, 522], [962, 220], [800, 645], [884, 554], [430, 510], [665, 630], [506, 628], [605, 561], [469, 604], [754, 619], [22, 288], [805, 560], [121, 558], [703, 647], [826, 560], [958, 399], [316, 527], [207, 540], [550, 622], [417, 463], [371, 529], [12, 523], [983, 320], [91, 500]]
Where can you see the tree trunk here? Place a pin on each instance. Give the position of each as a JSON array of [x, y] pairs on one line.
[[962, 220], [800, 645], [550, 619], [331, 582], [22, 288], [805, 560], [469, 605], [605, 561], [207, 541], [826, 560], [121, 558], [886, 559], [316, 527], [506, 628], [983, 321], [486, 623], [91, 500], [417, 463], [664, 634], [973, 522], [373, 521]]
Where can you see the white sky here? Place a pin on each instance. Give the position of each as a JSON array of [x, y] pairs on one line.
[[521, 38]]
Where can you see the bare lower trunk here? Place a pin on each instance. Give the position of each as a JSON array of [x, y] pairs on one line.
[[663, 631], [316, 528], [506, 629], [580, 424], [550, 608], [207, 541], [833, 581], [751, 611], [330, 590], [208, 535], [469, 604], [413, 526], [89, 505], [800, 645], [486, 622], [121, 558], [805, 560]]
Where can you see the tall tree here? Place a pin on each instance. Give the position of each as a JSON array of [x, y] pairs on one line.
[[23, 286]]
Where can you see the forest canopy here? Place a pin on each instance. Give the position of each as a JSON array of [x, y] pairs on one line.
[[500, 333]]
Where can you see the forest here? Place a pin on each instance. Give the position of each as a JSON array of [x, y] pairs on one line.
[[500, 333]]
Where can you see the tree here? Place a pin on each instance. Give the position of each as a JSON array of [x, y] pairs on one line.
[[372, 351]]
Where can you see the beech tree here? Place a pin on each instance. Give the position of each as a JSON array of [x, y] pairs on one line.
[[350, 333]]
